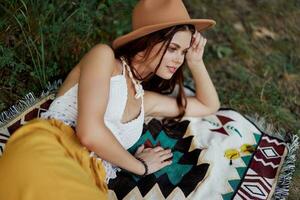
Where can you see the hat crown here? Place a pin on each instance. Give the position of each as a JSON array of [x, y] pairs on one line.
[[149, 16], [152, 12]]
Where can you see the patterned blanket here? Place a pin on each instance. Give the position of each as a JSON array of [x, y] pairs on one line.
[[200, 167], [221, 156]]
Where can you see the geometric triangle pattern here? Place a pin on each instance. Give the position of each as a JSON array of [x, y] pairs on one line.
[[234, 183], [246, 159], [257, 137], [227, 196], [220, 122], [184, 174], [262, 170], [224, 120], [241, 171], [259, 175]]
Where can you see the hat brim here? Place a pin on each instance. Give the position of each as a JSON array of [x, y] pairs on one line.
[[200, 25]]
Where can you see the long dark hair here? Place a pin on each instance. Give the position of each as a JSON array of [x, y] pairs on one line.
[[152, 82]]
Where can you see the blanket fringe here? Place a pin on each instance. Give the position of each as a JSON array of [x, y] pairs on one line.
[[268, 128], [287, 170], [26, 102], [288, 167]]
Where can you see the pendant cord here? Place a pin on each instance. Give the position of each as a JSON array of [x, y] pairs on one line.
[[137, 85]]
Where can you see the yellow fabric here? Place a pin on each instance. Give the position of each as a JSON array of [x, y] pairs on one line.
[[44, 160]]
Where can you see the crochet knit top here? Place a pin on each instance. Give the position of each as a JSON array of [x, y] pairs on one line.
[[64, 108]]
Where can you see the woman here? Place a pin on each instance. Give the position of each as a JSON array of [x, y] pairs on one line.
[[100, 108]]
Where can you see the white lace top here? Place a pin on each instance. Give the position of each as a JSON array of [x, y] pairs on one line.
[[64, 108]]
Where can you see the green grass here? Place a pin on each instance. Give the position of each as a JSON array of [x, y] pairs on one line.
[[253, 53]]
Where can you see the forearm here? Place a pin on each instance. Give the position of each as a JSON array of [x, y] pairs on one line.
[[205, 90], [107, 147]]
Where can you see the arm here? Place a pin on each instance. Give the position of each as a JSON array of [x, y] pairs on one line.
[[205, 90], [206, 93], [94, 83], [205, 101]]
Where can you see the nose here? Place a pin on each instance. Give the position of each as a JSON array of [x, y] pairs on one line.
[[178, 59]]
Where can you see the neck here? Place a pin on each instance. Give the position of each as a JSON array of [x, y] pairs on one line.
[[141, 68]]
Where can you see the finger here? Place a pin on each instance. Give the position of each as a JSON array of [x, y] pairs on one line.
[[140, 149], [147, 149], [205, 40], [167, 151], [201, 41], [201, 47], [197, 40], [194, 39], [195, 35], [166, 163], [166, 157], [202, 35], [157, 149]]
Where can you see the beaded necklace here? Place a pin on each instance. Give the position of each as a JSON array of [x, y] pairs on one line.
[[139, 91]]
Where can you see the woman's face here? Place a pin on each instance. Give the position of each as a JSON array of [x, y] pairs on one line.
[[174, 55]]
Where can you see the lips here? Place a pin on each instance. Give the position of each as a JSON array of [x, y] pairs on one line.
[[172, 69]]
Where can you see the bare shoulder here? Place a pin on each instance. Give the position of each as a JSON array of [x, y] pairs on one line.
[[100, 54], [96, 69], [102, 49]]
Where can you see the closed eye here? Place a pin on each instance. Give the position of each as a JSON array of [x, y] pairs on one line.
[[172, 49]]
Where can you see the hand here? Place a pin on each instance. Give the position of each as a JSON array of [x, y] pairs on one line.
[[194, 55], [155, 158]]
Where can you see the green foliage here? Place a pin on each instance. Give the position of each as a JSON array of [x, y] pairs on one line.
[[222, 51], [41, 41]]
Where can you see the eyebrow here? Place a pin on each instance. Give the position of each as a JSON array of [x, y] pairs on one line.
[[178, 46]]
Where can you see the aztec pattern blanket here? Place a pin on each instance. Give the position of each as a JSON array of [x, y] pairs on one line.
[[209, 157]]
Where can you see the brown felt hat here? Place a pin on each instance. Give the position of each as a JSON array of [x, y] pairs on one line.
[[152, 15]]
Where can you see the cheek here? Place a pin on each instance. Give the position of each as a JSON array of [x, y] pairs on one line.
[[168, 57]]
